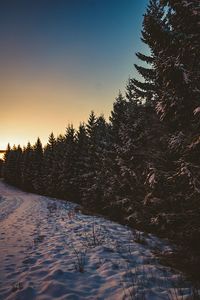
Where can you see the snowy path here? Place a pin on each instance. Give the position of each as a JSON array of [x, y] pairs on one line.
[[48, 250]]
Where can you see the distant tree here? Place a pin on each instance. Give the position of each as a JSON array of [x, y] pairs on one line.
[[117, 115], [81, 162], [37, 167], [67, 172], [18, 170], [11, 164], [49, 169], [90, 161], [27, 168], [58, 165], [98, 182], [6, 162], [98, 138], [1, 167]]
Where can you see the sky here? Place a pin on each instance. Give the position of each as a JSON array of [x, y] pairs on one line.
[[61, 59]]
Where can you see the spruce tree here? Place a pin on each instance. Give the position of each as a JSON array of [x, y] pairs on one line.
[[81, 162], [178, 65], [91, 161], [18, 171], [100, 178], [6, 163], [67, 172], [154, 34], [27, 168], [37, 167], [50, 172], [1, 167], [117, 116], [11, 164]]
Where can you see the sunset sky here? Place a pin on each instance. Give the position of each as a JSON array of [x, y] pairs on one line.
[[61, 59]]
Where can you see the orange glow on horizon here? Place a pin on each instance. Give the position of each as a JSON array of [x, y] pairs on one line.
[[35, 106]]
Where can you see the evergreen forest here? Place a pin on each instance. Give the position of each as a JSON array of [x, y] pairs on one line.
[[142, 166]]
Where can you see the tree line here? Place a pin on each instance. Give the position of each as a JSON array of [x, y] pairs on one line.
[[142, 167]]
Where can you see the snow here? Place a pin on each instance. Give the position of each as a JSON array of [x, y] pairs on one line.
[[160, 108], [197, 110], [50, 250]]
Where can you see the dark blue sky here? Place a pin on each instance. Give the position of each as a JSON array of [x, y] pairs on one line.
[[81, 51]]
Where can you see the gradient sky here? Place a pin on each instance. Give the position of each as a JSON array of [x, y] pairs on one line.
[[61, 59]]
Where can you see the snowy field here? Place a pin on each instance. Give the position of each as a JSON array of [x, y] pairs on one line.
[[49, 250]]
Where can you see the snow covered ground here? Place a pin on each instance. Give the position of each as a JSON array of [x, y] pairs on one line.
[[49, 250]]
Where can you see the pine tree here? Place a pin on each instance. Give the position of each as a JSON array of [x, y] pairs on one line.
[[11, 165], [91, 161], [178, 65], [100, 178], [67, 176], [1, 167], [6, 163], [81, 162], [155, 35], [27, 168], [92, 192], [117, 115], [50, 172], [18, 170], [59, 165], [37, 167]]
